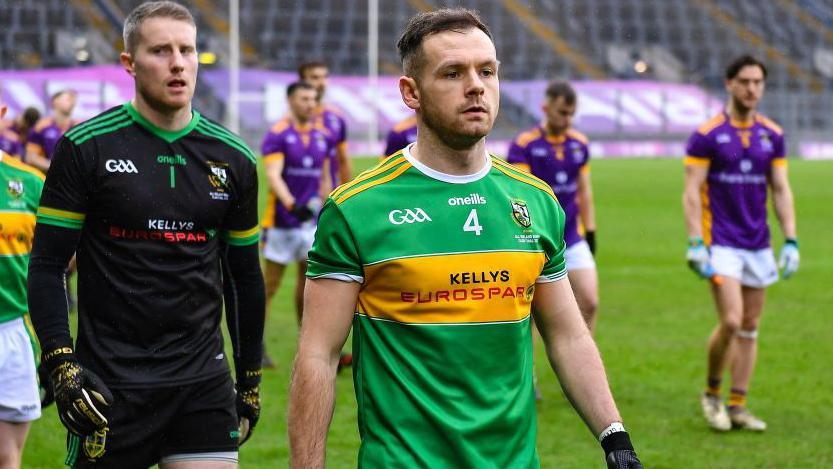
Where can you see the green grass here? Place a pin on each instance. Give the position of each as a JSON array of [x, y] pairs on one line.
[[653, 323]]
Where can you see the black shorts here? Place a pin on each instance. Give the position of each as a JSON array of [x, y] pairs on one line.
[[146, 425]]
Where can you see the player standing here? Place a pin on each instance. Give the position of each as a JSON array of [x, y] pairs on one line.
[[296, 153], [401, 135], [20, 188], [558, 154], [732, 160], [44, 136], [317, 74], [160, 204], [436, 256]]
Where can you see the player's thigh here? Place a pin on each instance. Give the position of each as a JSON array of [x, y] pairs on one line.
[[759, 268], [198, 465], [12, 438], [753, 306], [585, 284], [729, 301], [272, 274]]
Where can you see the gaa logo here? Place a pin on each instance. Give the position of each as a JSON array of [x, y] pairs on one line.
[[417, 215], [120, 166]]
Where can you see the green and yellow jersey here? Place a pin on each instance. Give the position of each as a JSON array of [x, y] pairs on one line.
[[441, 337], [19, 196]]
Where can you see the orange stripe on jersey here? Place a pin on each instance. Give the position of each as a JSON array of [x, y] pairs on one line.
[[575, 134], [712, 123], [18, 229], [395, 174], [779, 162], [696, 161], [273, 157], [342, 147], [268, 220], [281, 125], [706, 214], [585, 169], [437, 289], [769, 123], [34, 148], [523, 167], [528, 136]]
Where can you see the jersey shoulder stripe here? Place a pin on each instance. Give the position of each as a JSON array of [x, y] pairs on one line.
[[769, 123], [576, 135], [280, 126], [110, 128], [94, 121], [712, 124], [18, 165], [380, 168], [527, 137], [211, 129], [111, 123], [62, 218], [521, 176], [394, 172], [242, 237]]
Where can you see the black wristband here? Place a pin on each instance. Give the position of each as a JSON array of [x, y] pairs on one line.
[[793, 241], [248, 377], [616, 441], [590, 237]]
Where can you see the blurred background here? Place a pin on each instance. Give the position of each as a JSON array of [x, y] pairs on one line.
[[647, 71]]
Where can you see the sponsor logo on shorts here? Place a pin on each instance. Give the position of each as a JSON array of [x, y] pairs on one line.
[[471, 199], [120, 166], [417, 215]]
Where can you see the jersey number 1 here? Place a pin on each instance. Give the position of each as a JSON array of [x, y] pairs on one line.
[[472, 224]]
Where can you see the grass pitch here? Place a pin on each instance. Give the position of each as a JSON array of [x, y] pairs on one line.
[[654, 319]]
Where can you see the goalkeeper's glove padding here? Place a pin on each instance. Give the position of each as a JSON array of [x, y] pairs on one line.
[[789, 259], [81, 397], [247, 401], [619, 453]]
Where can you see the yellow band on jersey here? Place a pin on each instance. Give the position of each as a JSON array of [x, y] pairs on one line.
[[696, 161], [62, 218], [779, 162], [16, 233], [272, 157], [242, 237]]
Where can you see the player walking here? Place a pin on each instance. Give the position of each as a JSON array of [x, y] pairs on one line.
[[436, 256], [732, 160], [156, 199]]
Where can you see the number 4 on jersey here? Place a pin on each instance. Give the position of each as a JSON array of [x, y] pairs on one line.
[[472, 224]]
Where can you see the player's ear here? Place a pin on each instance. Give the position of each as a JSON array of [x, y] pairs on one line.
[[126, 60], [409, 91]]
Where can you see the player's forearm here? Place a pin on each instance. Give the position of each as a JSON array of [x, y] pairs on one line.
[[587, 210], [693, 213], [345, 166], [51, 251], [782, 201], [311, 401], [245, 299], [581, 373]]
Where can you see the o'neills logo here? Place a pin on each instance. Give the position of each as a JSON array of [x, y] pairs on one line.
[[156, 235], [472, 199]]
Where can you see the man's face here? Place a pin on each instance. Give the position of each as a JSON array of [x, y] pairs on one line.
[[457, 87], [317, 77], [559, 114], [746, 88], [64, 103], [302, 104], [164, 63]]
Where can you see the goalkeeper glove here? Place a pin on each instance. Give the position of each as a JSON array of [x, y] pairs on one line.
[[45, 386], [789, 259], [248, 401], [302, 212], [698, 258], [80, 395], [619, 453], [590, 237]]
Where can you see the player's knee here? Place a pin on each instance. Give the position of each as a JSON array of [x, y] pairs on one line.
[[730, 325]]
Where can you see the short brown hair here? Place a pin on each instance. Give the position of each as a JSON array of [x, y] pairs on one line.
[[558, 89], [425, 24], [130, 32], [744, 61], [309, 65]]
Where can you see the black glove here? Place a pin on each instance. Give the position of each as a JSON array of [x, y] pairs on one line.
[[619, 453], [590, 237], [81, 397], [47, 397], [302, 213], [248, 401]]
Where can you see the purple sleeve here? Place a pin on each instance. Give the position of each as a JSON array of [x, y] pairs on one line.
[[36, 138], [699, 146], [517, 154], [779, 149], [272, 143], [342, 131], [396, 141]]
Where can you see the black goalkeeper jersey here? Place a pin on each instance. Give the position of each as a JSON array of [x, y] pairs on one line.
[[153, 207]]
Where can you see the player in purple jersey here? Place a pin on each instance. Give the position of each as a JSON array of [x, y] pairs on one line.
[[317, 74], [10, 143], [733, 159], [401, 135], [46, 133], [297, 152], [15, 133], [558, 154]]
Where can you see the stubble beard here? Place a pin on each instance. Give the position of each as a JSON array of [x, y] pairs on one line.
[[446, 133]]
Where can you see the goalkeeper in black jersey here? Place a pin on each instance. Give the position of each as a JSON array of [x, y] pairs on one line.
[[160, 205]]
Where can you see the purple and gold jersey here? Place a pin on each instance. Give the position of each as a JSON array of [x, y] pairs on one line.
[[44, 136], [10, 141], [558, 161], [336, 126], [740, 157], [303, 151], [401, 135]]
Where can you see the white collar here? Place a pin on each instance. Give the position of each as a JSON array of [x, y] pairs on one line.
[[450, 178]]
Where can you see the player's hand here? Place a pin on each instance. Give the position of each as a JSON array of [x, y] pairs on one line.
[[590, 237], [302, 212], [248, 401], [789, 259], [619, 453], [81, 397], [698, 258]]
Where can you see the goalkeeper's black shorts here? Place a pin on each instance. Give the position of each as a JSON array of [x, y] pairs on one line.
[[149, 425]]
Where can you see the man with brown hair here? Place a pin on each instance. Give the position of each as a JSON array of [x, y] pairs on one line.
[[437, 258], [160, 204]]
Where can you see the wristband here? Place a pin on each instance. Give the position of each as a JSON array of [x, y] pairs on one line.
[[612, 428], [694, 241], [793, 241]]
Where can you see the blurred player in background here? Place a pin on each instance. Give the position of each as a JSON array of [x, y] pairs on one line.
[[20, 404], [296, 154], [558, 154], [317, 74], [436, 257], [45, 134], [401, 135], [14, 133], [161, 205], [732, 160]]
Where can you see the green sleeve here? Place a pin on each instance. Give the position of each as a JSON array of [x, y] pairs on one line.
[[334, 253], [554, 246]]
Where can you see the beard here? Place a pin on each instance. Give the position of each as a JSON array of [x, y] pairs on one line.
[[157, 103], [740, 107], [448, 131]]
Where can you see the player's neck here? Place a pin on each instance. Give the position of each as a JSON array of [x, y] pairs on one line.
[[171, 121], [740, 115], [300, 124], [432, 152], [62, 120], [554, 132]]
